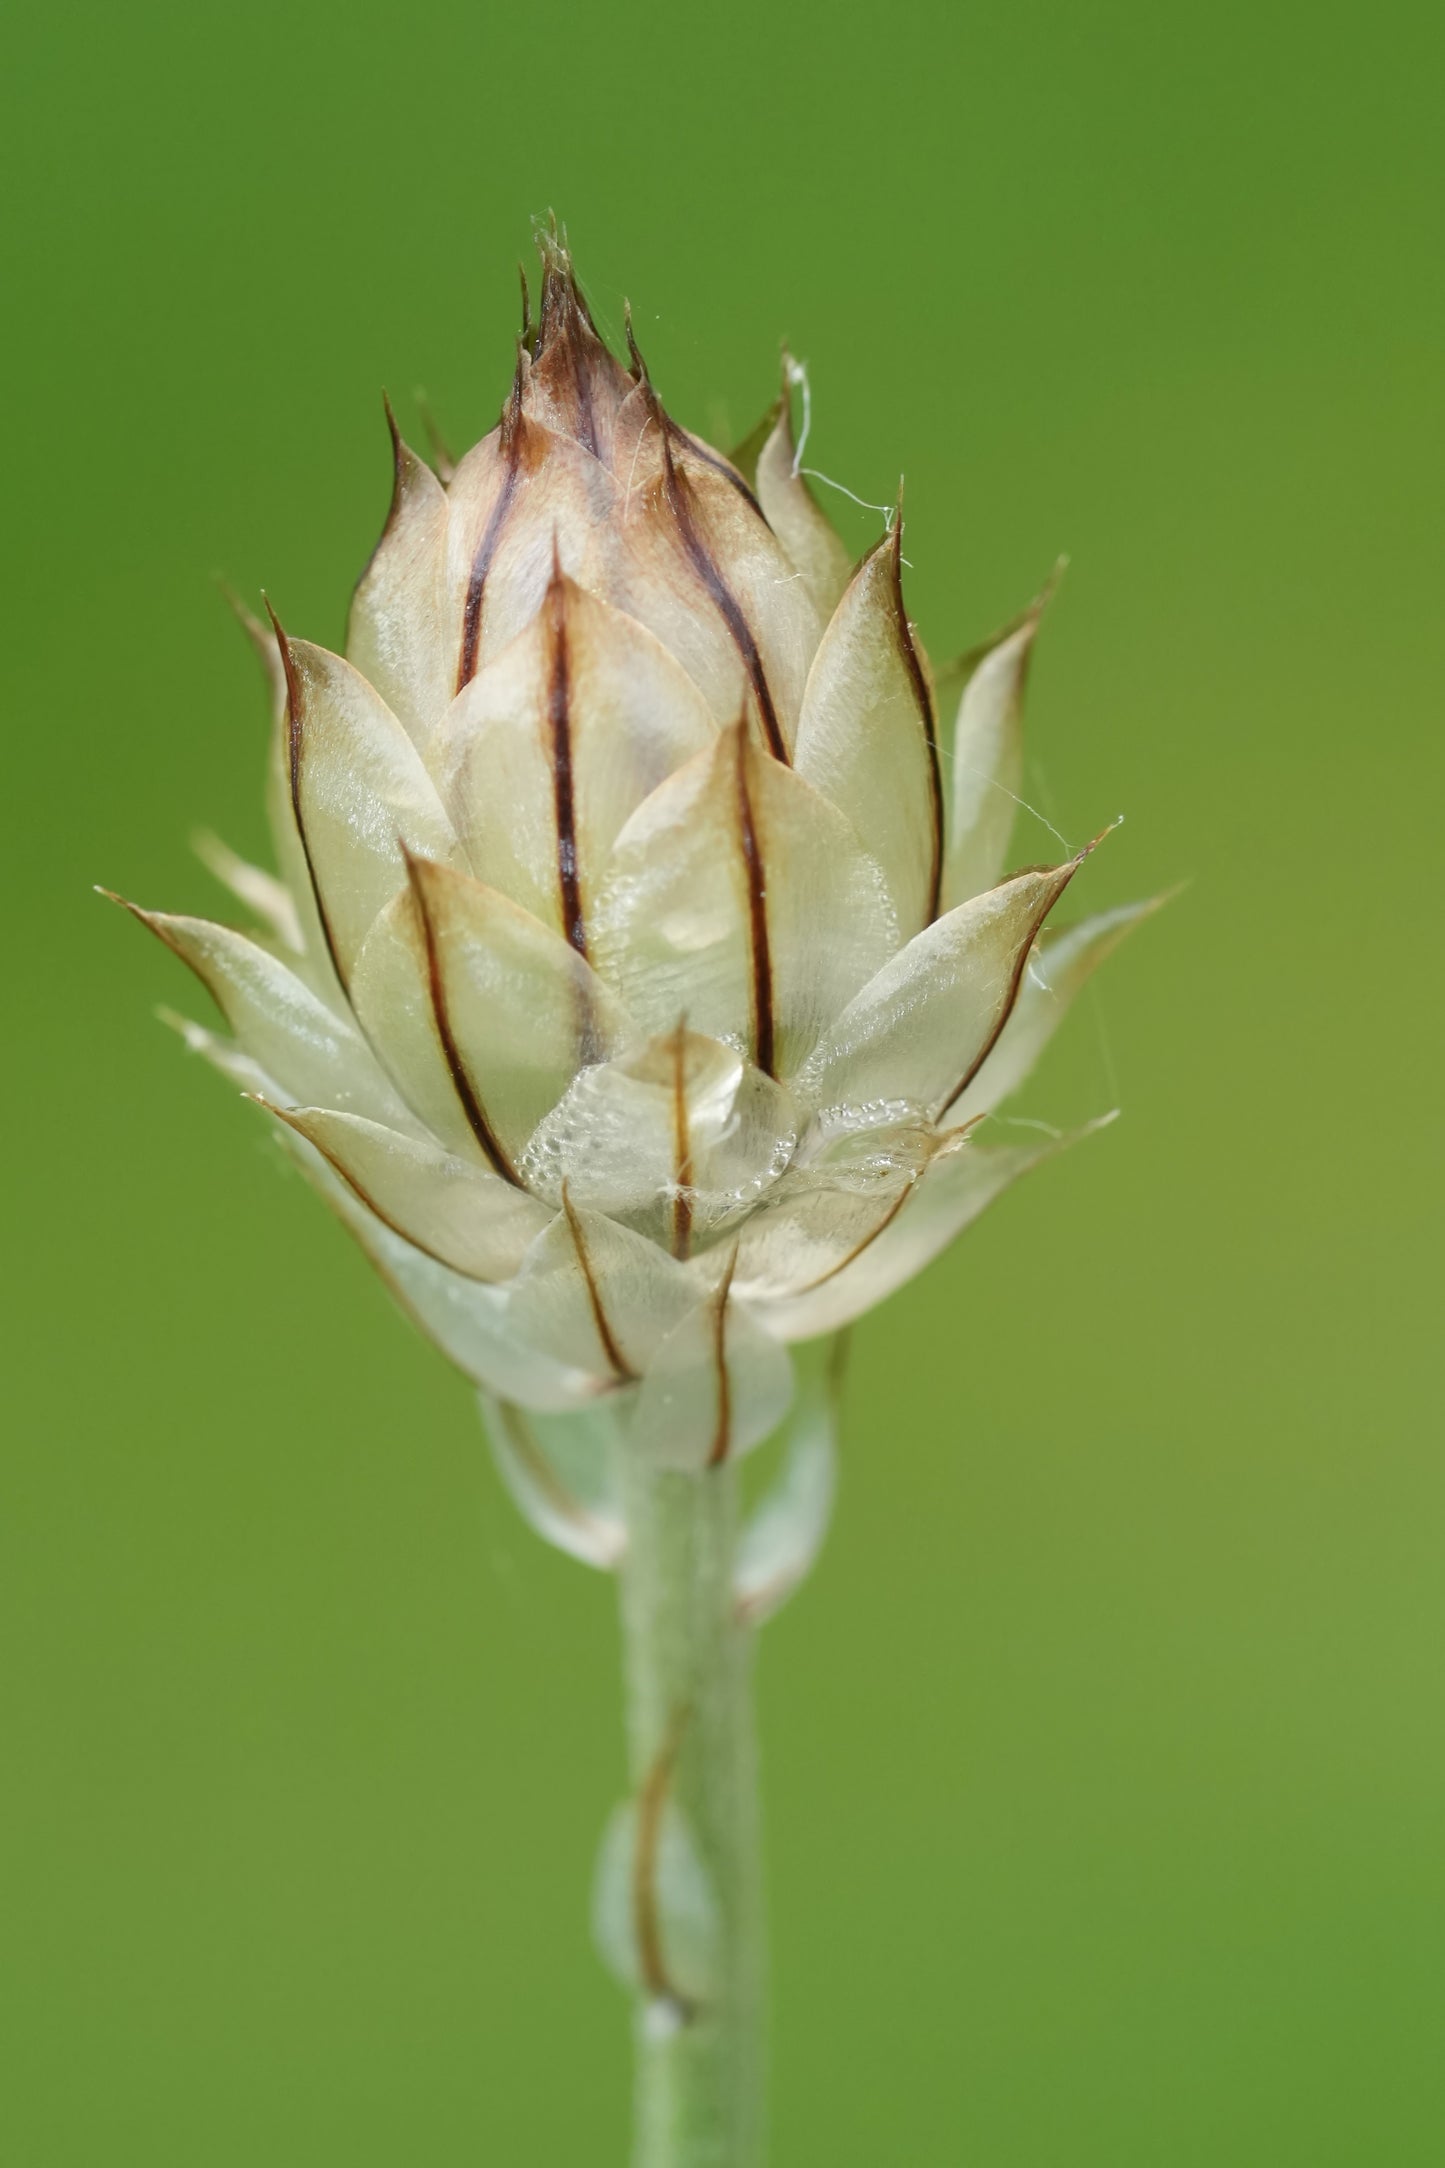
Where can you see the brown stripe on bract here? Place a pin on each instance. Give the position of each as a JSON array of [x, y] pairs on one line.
[[621, 1367], [1020, 966], [679, 498], [154, 922], [859, 1247], [559, 723], [715, 460], [681, 1149], [363, 1195], [634, 351], [294, 737], [442, 457], [646, 1912], [266, 648], [722, 1435], [563, 1501], [565, 323], [759, 944], [511, 429], [462, 1084], [924, 697], [908, 1190], [398, 451]]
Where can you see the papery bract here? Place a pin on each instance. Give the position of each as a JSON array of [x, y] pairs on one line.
[[638, 969]]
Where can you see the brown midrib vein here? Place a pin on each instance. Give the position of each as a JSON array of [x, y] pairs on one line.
[[559, 695], [646, 1912], [867, 1242], [578, 360], [924, 698], [545, 1476], [621, 1367], [722, 1435], [759, 945], [487, 548], [462, 1084], [724, 600], [709, 458], [364, 1196], [1006, 1007], [681, 1150], [293, 763]]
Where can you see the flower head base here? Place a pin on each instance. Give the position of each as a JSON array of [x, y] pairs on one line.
[[634, 983]]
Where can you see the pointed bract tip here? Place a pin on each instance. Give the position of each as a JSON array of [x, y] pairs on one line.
[[237, 606], [136, 910], [442, 456], [278, 1114], [288, 664], [256, 632], [398, 461], [1034, 612], [1094, 841], [511, 415], [153, 921], [793, 376], [195, 1036], [419, 868], [635, 353], [562, 301]]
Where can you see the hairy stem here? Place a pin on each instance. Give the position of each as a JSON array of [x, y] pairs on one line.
[[688, 1667]]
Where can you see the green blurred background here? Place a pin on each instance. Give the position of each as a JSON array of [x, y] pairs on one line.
[[1104, 1754]]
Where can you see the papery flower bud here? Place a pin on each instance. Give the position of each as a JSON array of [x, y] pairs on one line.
[[632, 985]]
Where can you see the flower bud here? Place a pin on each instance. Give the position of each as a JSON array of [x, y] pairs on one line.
[[631, 983]]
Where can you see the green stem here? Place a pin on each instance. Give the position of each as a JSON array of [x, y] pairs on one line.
[[698, 2101]]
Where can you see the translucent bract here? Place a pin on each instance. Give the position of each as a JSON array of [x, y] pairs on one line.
[[637, 972]]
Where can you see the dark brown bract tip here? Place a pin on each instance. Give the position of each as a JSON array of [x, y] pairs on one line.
[[293, 682], [244, 615], [529, 329], [639, 365], [510, 420], [892, 542], [562, 299], [443, 458], [1092, 845], [263, 645], [399, 455]]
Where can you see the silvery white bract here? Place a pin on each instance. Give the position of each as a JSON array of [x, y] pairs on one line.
[[633, 983]]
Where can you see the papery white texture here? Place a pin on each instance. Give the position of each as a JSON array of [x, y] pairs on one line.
[[637, 966]]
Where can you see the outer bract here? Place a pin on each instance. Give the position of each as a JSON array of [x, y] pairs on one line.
[[634, 984]]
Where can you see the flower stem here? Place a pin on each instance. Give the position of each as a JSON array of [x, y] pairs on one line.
[[688, 1662]]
